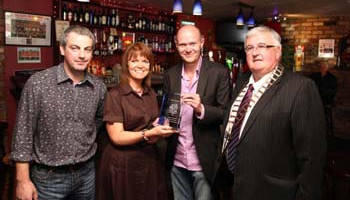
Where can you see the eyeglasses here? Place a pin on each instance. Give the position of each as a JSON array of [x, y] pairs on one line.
[[261, 47]]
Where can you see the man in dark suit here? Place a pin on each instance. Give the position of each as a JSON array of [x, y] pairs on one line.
[[205, 91], [274, 143]]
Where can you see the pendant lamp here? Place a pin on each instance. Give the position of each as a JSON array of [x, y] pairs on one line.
[[240, 18], [197, 7], [251, 20], [177, 7]]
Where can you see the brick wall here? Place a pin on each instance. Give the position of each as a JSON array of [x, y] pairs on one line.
[[307, 32], [2, 66]]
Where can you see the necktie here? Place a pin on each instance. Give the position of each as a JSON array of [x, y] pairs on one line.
[[232, 145]]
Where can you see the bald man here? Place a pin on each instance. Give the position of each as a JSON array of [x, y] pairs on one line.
[[205, 91]]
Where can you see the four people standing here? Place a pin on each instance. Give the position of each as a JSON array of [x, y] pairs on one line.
[[274, 131]]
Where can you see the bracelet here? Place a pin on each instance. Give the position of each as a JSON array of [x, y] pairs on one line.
[[143, 133]]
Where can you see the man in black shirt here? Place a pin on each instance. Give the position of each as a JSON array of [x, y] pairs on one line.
[[327, 87]]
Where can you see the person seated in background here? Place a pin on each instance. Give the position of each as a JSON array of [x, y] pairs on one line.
[[327, 87]]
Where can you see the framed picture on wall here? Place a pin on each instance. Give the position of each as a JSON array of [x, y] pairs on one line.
[[27, 29], [326, 48], [28, 55]]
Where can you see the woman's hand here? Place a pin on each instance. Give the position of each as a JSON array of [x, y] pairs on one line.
[[160, 131]]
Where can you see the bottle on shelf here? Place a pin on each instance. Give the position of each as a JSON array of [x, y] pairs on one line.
[[91, 17], [95, 17], [70, 13], [75, 14], [104, 18], [113, 18], [81, 15], [87, 16], [109, 18], [117, 19], [64, 13]]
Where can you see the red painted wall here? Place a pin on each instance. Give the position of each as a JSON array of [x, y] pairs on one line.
[[42, 7]]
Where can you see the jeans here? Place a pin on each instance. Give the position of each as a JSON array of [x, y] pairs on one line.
[[54, 183], [189, 185]]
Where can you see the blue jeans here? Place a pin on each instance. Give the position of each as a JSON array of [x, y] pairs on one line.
[[189, 185], [55, 183]]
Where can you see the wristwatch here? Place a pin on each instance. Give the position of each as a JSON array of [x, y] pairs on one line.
[[143, 133]]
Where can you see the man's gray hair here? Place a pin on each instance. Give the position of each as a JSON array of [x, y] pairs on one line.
[[263, 29], [80, 30]]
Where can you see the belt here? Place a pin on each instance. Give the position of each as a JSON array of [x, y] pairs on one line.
[[63, 168]]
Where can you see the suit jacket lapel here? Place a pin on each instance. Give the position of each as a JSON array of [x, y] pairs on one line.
[[176, 79], [203, 79], [264, 99]]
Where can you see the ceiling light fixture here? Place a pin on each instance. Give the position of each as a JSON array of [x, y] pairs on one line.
[[251, 19], [197, 7], [177, 7], [83, 0], [240, 18]]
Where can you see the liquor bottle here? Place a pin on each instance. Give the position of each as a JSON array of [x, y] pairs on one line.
[[95, 18], [97, 50], [75, 14], [136, 24], [70, 13], [140, 21], [172, 25], [108, 18], [100, 17], [160, 23], [131, 21], [64, 12], [104, 18], [104, 48], [117, 19], [148, 28], [110, 44], [91, 17], [113, 18], [146, 41], [81, 15], [144, 22], [87, 16], [116, 42]]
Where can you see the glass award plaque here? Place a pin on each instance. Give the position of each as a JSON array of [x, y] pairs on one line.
[[170, 110]]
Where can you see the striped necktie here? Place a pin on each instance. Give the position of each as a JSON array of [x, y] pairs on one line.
[[232, 144]]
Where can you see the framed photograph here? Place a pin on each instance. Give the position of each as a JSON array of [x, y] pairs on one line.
[[326, 48], [27, 29], [61, 26], [28, 55]]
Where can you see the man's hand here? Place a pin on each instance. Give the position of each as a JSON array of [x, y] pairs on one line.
[[194, 101], [25, 190]]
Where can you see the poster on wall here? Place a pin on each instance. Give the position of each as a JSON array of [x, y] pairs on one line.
[[326, 48], [27, 29], [28, 55], [60, 27]]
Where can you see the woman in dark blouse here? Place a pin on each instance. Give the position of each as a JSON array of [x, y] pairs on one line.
[[130, 167]]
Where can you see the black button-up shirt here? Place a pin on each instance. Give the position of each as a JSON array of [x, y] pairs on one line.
[[57, 121]]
